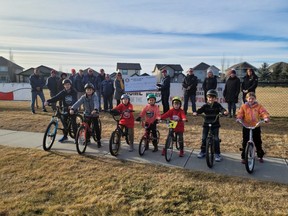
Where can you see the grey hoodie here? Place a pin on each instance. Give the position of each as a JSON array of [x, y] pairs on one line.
[[90, 103]]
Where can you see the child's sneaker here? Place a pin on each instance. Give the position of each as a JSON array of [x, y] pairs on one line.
[[218, 158], [131, 148], [64, 138], [163, 152], [155, 149], [181, 154], [201, 155], [261, 160]]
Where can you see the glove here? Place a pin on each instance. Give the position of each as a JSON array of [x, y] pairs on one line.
[[114, 112], [138, 119], [266, 120]]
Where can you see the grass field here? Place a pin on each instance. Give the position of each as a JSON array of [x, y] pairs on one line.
[[34, 182]]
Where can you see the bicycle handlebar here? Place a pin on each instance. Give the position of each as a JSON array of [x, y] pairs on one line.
[[250, 127]]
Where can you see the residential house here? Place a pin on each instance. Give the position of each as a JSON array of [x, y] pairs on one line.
[[173, 70], [201, 69], [44, 71], [241, 69], [128, 69], [8, 70], [282, 65]]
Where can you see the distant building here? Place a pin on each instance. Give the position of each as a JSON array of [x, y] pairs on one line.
[[129, 69], [241, 69], [200, 71], [9, 70], [174, 71], [44, 71], [282, 65]]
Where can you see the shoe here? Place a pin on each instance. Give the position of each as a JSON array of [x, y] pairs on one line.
[[44, 110], [201, 155], [163, 152], [131, 148], [261, 160], [218, 158], [99, 144], [64, 138], [243, 161], [194, 113], [155, 149], [33, 112], [181, 154]]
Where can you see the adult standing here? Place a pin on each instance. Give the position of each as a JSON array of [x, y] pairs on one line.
[[231, 92], [107, 89], [190, 87], [52, 85], [119, 87], [164, 87], [72, 77], [250, 83], [100, 78], [79, 83], [90, 78], [210, 82], [37, 83]]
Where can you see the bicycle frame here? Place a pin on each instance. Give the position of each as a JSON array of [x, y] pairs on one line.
[[171, 124]]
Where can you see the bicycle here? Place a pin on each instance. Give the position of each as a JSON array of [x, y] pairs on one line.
[[172, 138], [146, 138], [86, 130], [53, 126], [250, 150], [120, 131]]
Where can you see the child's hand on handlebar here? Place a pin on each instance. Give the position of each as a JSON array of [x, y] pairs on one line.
[[71, 111]]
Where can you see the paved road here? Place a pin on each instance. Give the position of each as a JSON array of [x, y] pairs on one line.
[[273, 169]]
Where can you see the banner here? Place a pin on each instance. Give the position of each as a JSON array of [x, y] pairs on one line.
[[15, 91], [140, 83]]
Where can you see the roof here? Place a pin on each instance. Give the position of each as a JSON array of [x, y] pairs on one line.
[[282, 65], [242, 66], [128, 66], [43, 69], [201, 66], [4, 61], [175, 67]]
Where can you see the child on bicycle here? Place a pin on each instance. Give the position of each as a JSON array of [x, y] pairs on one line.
[[177, 114], [125, 109], [212, 108], [250, 113], [68, 96], [91, 110], [151, 115]]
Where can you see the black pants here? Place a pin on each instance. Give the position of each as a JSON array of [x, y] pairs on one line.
[[153, 129], [257, 140], [108, 102], [165, 102], [231, 108]]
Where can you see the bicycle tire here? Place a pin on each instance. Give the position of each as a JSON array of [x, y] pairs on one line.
[[94, 134], [114, 143], [168, 148], [142, 145], [210, 151], [79, 120], [81, 140], [50, 135], [176, 140], [250, 157]]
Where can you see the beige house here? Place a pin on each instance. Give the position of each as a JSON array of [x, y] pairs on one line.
[[173, 70], [129, 69], [241, 69], [8, 70]]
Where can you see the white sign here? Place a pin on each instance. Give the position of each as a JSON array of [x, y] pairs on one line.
[[140, 83], [15, 91]]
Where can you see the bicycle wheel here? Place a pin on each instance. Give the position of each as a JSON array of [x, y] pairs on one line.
[[79, 120], [209, 151], [81, 140], [49, 136], [250, 157], [93, 130], [114, 143], [176, 140], [168, 148], [142, 145]]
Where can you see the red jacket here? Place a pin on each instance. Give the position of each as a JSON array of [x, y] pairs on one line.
[[127, 118], [174, 114], [150, 113]]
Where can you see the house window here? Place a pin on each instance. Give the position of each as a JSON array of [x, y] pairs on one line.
[[2, 79], [3, 68], [124, 72]]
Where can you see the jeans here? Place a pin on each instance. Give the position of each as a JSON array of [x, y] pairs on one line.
[[193, 101], [165, 102], [108, 102], [34, 96], [232, 107], [215, 132]]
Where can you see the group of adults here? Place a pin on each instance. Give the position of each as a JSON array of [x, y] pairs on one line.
[[104, 86], [231, 92]]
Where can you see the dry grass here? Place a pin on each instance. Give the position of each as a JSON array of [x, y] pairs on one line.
[[34, 182]]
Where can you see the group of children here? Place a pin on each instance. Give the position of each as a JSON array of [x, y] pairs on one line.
[[250, 113]]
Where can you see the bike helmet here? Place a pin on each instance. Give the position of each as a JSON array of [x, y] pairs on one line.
[[125, 96], [66, 81], [212, 93], [177, 99], [151, 96], [89, 85]]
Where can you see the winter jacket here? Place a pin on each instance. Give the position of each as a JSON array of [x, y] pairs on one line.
[[90, 103], [164, 85], [68, 98], [190, 84], [176, 114], [232, 89], [127, 118], [118, 90], [79, 83], [107, 88], [209, 83], [250, 83], [150, 113], [250, 115], [51, 84], [36, 81]]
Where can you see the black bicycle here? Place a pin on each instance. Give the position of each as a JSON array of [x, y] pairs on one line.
[[120, 131], [53, 126]]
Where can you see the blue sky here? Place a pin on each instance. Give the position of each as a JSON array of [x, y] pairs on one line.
[[66, 34]]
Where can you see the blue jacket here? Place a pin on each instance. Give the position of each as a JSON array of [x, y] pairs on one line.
[[107, 88], [36, 81]]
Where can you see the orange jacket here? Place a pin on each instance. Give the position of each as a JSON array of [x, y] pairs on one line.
[[250, 115]]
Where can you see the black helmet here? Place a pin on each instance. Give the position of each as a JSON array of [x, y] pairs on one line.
[[212, 93], [125, 96], [89, 85], [66, 81]]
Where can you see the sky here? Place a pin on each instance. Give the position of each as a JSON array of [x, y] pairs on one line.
[[65, 34]]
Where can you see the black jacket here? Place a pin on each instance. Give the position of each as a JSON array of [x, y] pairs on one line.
[[232, 89], [68, 98], [164, 85], [211, 110], [209, 83], [190, 84], [250, 83]]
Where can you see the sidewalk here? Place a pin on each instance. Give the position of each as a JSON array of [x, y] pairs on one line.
[[273, 169]]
